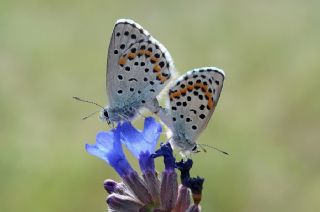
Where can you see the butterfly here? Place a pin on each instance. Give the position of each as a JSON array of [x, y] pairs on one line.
[[138, 69], [193, 99]]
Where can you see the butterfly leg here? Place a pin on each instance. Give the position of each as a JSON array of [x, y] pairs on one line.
[[124, 117], [163, 113], [165, 116], [153, 106]]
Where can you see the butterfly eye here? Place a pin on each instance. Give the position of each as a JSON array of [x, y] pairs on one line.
[[105, 113], [194, 149]]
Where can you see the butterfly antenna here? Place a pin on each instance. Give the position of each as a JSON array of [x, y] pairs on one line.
[[202, 148], [91, 114], [87, 101], [219, 150]]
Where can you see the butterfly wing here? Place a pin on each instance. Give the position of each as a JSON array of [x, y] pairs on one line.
[[193, 99], [138, 66]]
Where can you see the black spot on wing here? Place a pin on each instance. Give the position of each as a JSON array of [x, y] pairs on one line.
[[133, 79], [194, 111]]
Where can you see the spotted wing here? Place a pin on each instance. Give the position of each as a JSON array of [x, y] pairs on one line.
[[138, 66], [193, 99]]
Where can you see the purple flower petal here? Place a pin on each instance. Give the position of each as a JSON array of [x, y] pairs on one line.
[[112, 186], [137, 187], [183, 200], [146, 162], [194, 208], [153, 184], [168, 190], [117, 202]]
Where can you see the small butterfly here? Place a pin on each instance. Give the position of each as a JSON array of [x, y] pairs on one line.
[[138, 68], [193, 99]]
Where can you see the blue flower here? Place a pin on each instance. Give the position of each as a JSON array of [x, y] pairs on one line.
[[148, 192], [168, 158], [108, 148], [141, 141], [184, 167], [196, 185]]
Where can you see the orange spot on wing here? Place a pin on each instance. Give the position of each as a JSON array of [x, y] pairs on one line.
[[141, 52], [148, 53], [176, 94], [131, 55], [161, 78], [156, 68], [122, 61], [204, 87], [211, 103], [154, 59], [189, 88], [183, 91]]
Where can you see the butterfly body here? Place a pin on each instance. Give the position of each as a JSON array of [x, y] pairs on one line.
[[138, 69], [117, 114], [193, 99]]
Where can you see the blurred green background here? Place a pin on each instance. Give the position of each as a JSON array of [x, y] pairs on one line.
[[267, 117]]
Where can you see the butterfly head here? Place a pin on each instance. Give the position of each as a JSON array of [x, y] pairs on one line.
[[104, 115], [195, 149], [192, 148], [184, 145]]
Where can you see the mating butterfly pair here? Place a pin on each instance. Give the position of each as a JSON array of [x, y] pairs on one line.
[[139, 67]]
